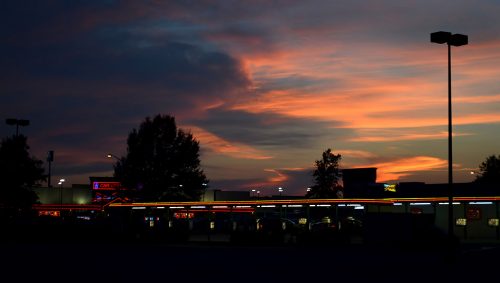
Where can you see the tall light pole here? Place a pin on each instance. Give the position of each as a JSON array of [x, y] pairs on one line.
[[50, 159], [17, 123], [450, 39]]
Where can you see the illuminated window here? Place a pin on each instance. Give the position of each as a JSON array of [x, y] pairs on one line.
[[390, 187], [461, 222], [493, 222]]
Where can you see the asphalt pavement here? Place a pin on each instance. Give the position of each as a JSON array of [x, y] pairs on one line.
[[222, 262]]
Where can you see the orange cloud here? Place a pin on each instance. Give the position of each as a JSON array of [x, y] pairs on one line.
[[356, 153], [478, 99], [279, 177], [367, 91], [219, 145], [396, 169], [368, 136]]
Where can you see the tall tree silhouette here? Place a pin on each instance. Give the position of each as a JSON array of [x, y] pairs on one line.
[[327, 176], [19, 172], [162, 162], [489, 171]]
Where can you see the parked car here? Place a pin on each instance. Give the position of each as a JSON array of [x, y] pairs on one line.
[[272, 224], [323, 227], [276, 230], [351, 224]]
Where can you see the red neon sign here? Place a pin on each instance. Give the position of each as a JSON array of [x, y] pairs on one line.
[[183, 215], [109, 186], [53, 213]]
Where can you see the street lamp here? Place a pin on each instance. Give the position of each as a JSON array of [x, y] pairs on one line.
[[61, 181], [450, 39], [475, 174], [17, 123], [280, 189], [110, 155]]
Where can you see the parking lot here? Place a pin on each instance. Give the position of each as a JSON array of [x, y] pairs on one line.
[[222, 262]]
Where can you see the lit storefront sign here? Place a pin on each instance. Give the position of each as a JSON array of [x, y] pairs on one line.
[[106, 186], [52, 213], [184, 215], [390, 188]]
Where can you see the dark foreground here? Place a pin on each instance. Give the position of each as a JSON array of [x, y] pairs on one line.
[[222, 262]]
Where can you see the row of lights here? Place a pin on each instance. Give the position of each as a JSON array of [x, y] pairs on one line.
[[280, 190]]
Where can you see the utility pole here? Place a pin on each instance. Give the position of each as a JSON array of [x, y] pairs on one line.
[[50, 158]]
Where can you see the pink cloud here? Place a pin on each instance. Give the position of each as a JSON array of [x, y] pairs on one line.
[[219, 145]]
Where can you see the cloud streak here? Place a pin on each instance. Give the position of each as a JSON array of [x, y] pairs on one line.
[[397, 169], [219, 145]]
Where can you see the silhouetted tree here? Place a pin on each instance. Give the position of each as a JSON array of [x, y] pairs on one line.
[[19, 172], [162, 162], [489, 171], [327, 176]]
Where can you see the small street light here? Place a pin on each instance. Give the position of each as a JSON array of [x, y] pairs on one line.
[[110, 155], [475, 173], [280, 189], [61, 181]]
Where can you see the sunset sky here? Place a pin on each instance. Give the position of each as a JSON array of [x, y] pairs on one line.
[[264, 86]]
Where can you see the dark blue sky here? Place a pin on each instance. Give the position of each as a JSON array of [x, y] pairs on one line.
[[265, 86]]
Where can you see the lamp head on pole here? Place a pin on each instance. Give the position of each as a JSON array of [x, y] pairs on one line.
[[442, 37], [459, 40]]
